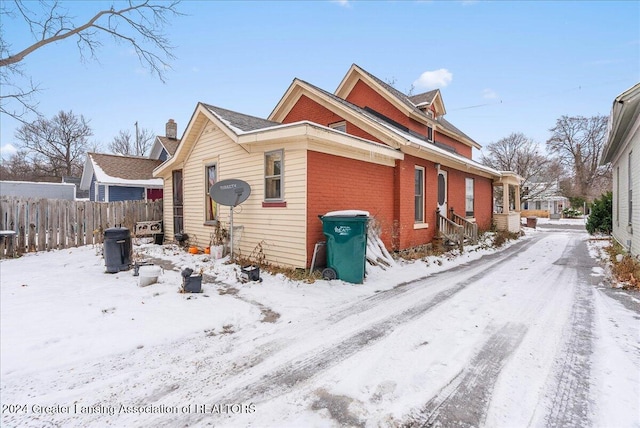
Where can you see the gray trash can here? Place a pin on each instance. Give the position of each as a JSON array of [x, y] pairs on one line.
[[117, 249]]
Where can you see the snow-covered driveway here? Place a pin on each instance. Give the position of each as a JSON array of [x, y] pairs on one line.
[[522, 337]]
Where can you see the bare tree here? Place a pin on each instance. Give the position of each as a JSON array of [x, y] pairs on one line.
[[522, 155], [56, 147], [125, 144], [18, 167], [578, 142], [139, 24]]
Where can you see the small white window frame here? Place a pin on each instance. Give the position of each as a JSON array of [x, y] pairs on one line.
[[416, 220], [208, 221], [281, 175], [466, 197], [338, 125]]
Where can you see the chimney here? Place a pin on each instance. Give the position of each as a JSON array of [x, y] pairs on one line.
[[172, 129]]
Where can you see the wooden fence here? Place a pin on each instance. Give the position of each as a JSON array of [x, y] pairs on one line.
[[48, 224]]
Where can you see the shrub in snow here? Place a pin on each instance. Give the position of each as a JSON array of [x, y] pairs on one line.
[[601, 213], [571, 213]]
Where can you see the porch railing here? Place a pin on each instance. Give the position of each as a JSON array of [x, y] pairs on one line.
[[470, 229], [449, 230]]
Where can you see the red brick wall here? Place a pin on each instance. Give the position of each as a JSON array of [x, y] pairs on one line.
[[461, 148], [405, 235], [307, 109], [363, 95], [483, 196], [483, 202], [337, 183]]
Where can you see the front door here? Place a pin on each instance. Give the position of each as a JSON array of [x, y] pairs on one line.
[[442, 193]]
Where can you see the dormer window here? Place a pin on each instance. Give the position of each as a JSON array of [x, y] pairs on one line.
[[429, 133], [339, 126]]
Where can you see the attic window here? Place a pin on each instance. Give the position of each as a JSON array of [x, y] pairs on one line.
[[339, 126]]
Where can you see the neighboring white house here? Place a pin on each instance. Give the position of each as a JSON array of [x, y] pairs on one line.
[[623, 151], [546, 196], [39, 190]]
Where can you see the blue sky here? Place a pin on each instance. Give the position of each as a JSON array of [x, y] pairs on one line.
[[502, 66]]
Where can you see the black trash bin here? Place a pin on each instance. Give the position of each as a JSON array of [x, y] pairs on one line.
[[117, 249]]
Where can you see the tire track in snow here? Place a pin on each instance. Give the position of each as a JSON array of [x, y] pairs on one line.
[[477, 268], [465, 400], [291, 374], [570, 395], [298, 370]]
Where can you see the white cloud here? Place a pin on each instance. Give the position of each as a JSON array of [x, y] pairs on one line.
[[343, 3], [489, 94], [7, 150], [434, 79]]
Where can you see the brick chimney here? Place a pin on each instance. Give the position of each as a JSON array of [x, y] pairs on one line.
[[172, 129]]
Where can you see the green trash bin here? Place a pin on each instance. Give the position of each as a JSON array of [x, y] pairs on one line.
[[346, 233]]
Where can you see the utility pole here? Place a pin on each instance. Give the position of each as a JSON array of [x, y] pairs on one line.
[[137, 139]]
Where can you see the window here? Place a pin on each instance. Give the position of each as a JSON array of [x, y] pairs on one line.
[[630, 190], [429, 133], [419, 195], [469, 196], [617, 196], [211, 207], [178, 208], [339, 126], [273, 169]]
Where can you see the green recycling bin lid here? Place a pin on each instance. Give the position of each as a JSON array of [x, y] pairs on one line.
[[347, 213]]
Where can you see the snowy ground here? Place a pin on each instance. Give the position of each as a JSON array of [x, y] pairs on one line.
[[527, 336]]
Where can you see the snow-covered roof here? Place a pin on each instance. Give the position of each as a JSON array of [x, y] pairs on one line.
[[120, 171]]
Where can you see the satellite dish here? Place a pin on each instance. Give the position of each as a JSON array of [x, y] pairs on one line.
[[231, 192]]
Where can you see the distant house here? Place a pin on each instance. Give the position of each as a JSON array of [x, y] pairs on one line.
[[623, 151], [164, 147], [547, 197], [112, 178], [366, 147], [109, 178], [39, 190]]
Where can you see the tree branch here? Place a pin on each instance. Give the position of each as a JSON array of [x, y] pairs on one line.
[[145, 29]]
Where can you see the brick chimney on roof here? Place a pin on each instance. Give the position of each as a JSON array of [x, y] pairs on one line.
[[172, 129]]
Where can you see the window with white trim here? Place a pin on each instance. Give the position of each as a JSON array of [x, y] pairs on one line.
[[617, 196], [419, 195], [469, 196], [339, 126], [211, 206], [630, 190], [273, 175]]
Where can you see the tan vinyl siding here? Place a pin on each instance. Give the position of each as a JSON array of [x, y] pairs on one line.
[[167, 208], [283, 230]]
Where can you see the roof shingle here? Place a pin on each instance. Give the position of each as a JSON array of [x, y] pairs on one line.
[[243, 122], [170, 144], [125, 167]]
